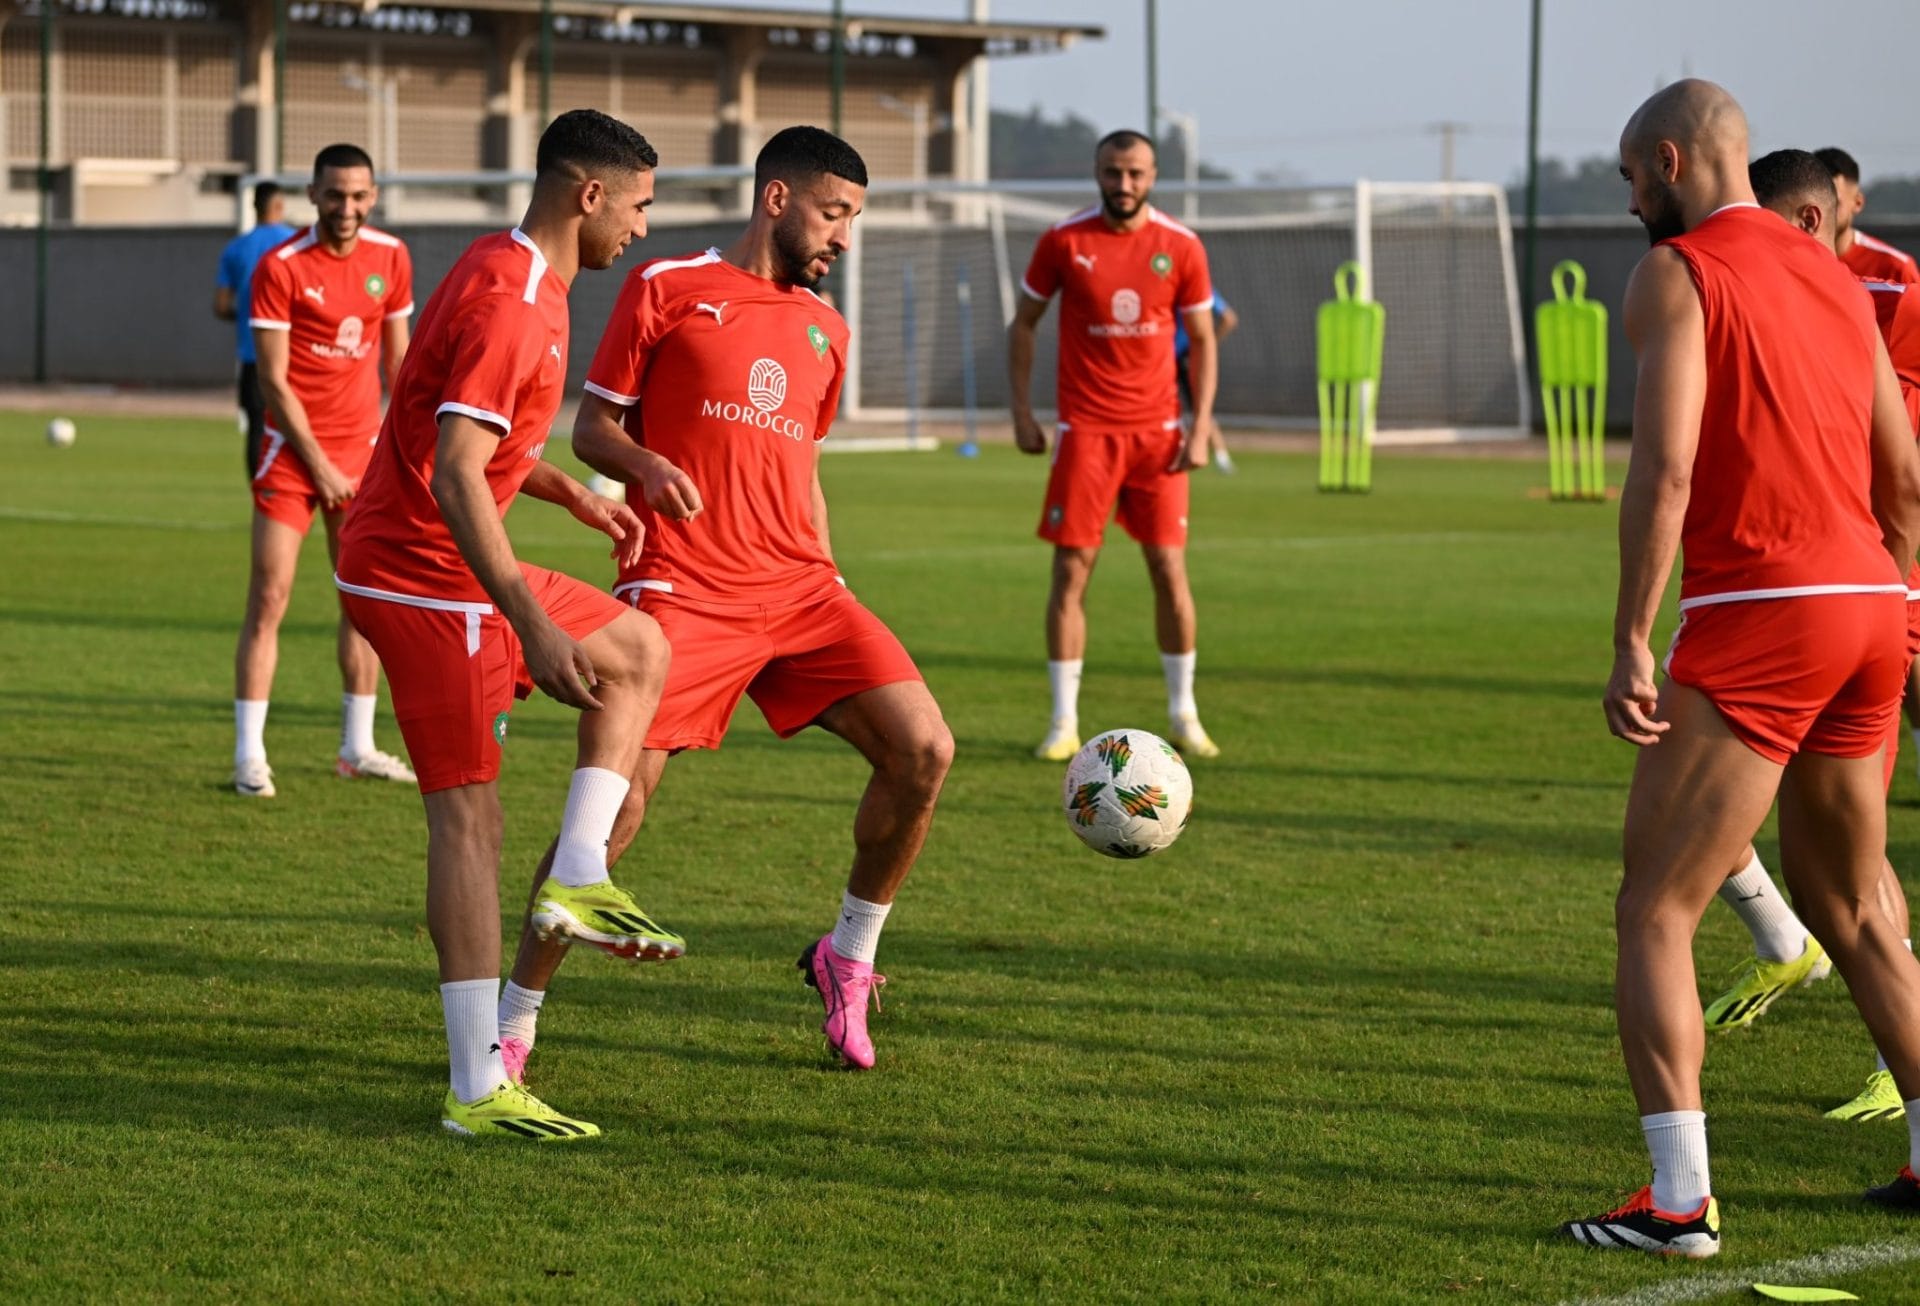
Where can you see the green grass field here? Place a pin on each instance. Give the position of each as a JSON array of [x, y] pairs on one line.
[[1351, 1040]]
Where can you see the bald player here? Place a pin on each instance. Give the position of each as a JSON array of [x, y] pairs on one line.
[[1868, 258], [1796, 185], [1771, 449]]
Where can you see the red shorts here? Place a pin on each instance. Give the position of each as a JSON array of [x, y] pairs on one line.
[[794, 662], [1095, 473], [284, 491], [1818, 674], [455, 669]]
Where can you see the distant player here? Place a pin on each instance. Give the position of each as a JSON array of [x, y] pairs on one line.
[[716, 380], [1125, 272], [329, 312], [1797, 186], [1868, 258], [233, 298], [1225, 322], [1770, 445], [427, 571]]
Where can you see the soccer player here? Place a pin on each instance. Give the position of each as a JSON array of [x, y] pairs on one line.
[[715, 381], [1798, 186], [427, 571], [1771, 447], [1869, 259], [329, 310], [1225, 322], [233, 296], [1124, 272]]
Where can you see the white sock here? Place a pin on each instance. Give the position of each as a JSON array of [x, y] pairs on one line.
[[1777, 933], [593, 801], [473, 1037], [249, 729], [519, 1011], [1064, 676], [1677, 1142], [856, 935], [356, 724], [1879, 1061], [1179, 669]]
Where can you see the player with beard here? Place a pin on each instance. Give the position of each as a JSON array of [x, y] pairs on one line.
[[715, 382], [1125, 272], [1771, 447]]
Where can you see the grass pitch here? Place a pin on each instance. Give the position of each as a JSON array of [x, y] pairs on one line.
[[1349, 1041]]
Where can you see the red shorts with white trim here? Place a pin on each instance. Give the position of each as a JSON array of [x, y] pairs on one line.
[[282, 487], [1119, 474], [794, 662], [455, 669], [1815, 674]]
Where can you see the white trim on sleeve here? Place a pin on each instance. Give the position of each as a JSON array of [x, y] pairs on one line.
[[1031, 293], [401, 312], [612, 396], [477, 414], [1203, 306], [269, 324]]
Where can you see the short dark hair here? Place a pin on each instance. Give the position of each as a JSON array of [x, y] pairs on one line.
[[263, 197], [592, 141], [341, 156], [1792, 177], [797, 155], [1839, 163], [1125, 139]]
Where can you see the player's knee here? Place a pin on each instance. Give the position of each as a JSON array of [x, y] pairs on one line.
[[1644, 909], [923, 756], [267, 599], [639, 652]]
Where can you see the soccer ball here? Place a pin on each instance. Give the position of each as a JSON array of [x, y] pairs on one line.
[[1127, 794], [60, 432]]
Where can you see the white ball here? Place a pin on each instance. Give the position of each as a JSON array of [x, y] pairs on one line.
[[1127, 794], [608, 488], [60, 432]]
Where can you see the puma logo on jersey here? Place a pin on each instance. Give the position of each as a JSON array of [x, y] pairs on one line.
[[709, 308], [318, 294], [555, 351], [1085, 260]]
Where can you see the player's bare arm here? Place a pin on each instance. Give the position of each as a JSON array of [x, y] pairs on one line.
[[1896, 463], [395, 333], [271, 350], [1667, 330], [602, 442], [1229, 323], [1203, 372], [557, 662], [614, 520], [1027, 434], [223, 303]]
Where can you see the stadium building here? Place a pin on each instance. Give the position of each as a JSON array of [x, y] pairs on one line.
[[156, 108]]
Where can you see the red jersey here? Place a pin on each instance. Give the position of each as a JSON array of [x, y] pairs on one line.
[[1897, 308], [1119, 292], [1780, 503], [1875, 260], [333, 309], [492, 345], [734, 379]]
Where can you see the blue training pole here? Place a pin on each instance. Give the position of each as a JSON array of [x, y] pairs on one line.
[[963, 289]]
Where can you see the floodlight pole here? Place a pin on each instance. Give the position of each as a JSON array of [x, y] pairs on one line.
[[46, 192], [279, 85], [837, 62], [1533, 155], [1153, 69], [546, 63]]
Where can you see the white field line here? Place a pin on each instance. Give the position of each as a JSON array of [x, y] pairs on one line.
[[1806, 1270], [106, 519]]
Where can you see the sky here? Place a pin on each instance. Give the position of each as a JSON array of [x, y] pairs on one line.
[[1332, 91]]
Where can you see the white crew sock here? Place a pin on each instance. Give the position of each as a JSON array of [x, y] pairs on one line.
[[1677, 1142], [593, 801], [856, 935], [519, 1011], [1777, 933], [249, 729], [1179, 669], [356, 725], [1879, 1061], [1064, 676], [473, 1037]]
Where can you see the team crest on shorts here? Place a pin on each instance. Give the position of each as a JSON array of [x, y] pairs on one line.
[[1162, 264], [818, 339], [500, 729], [376, 284], [1055, 514]]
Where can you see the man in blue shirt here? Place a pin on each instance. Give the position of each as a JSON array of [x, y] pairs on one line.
[[1224, 321], [232, 290]]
